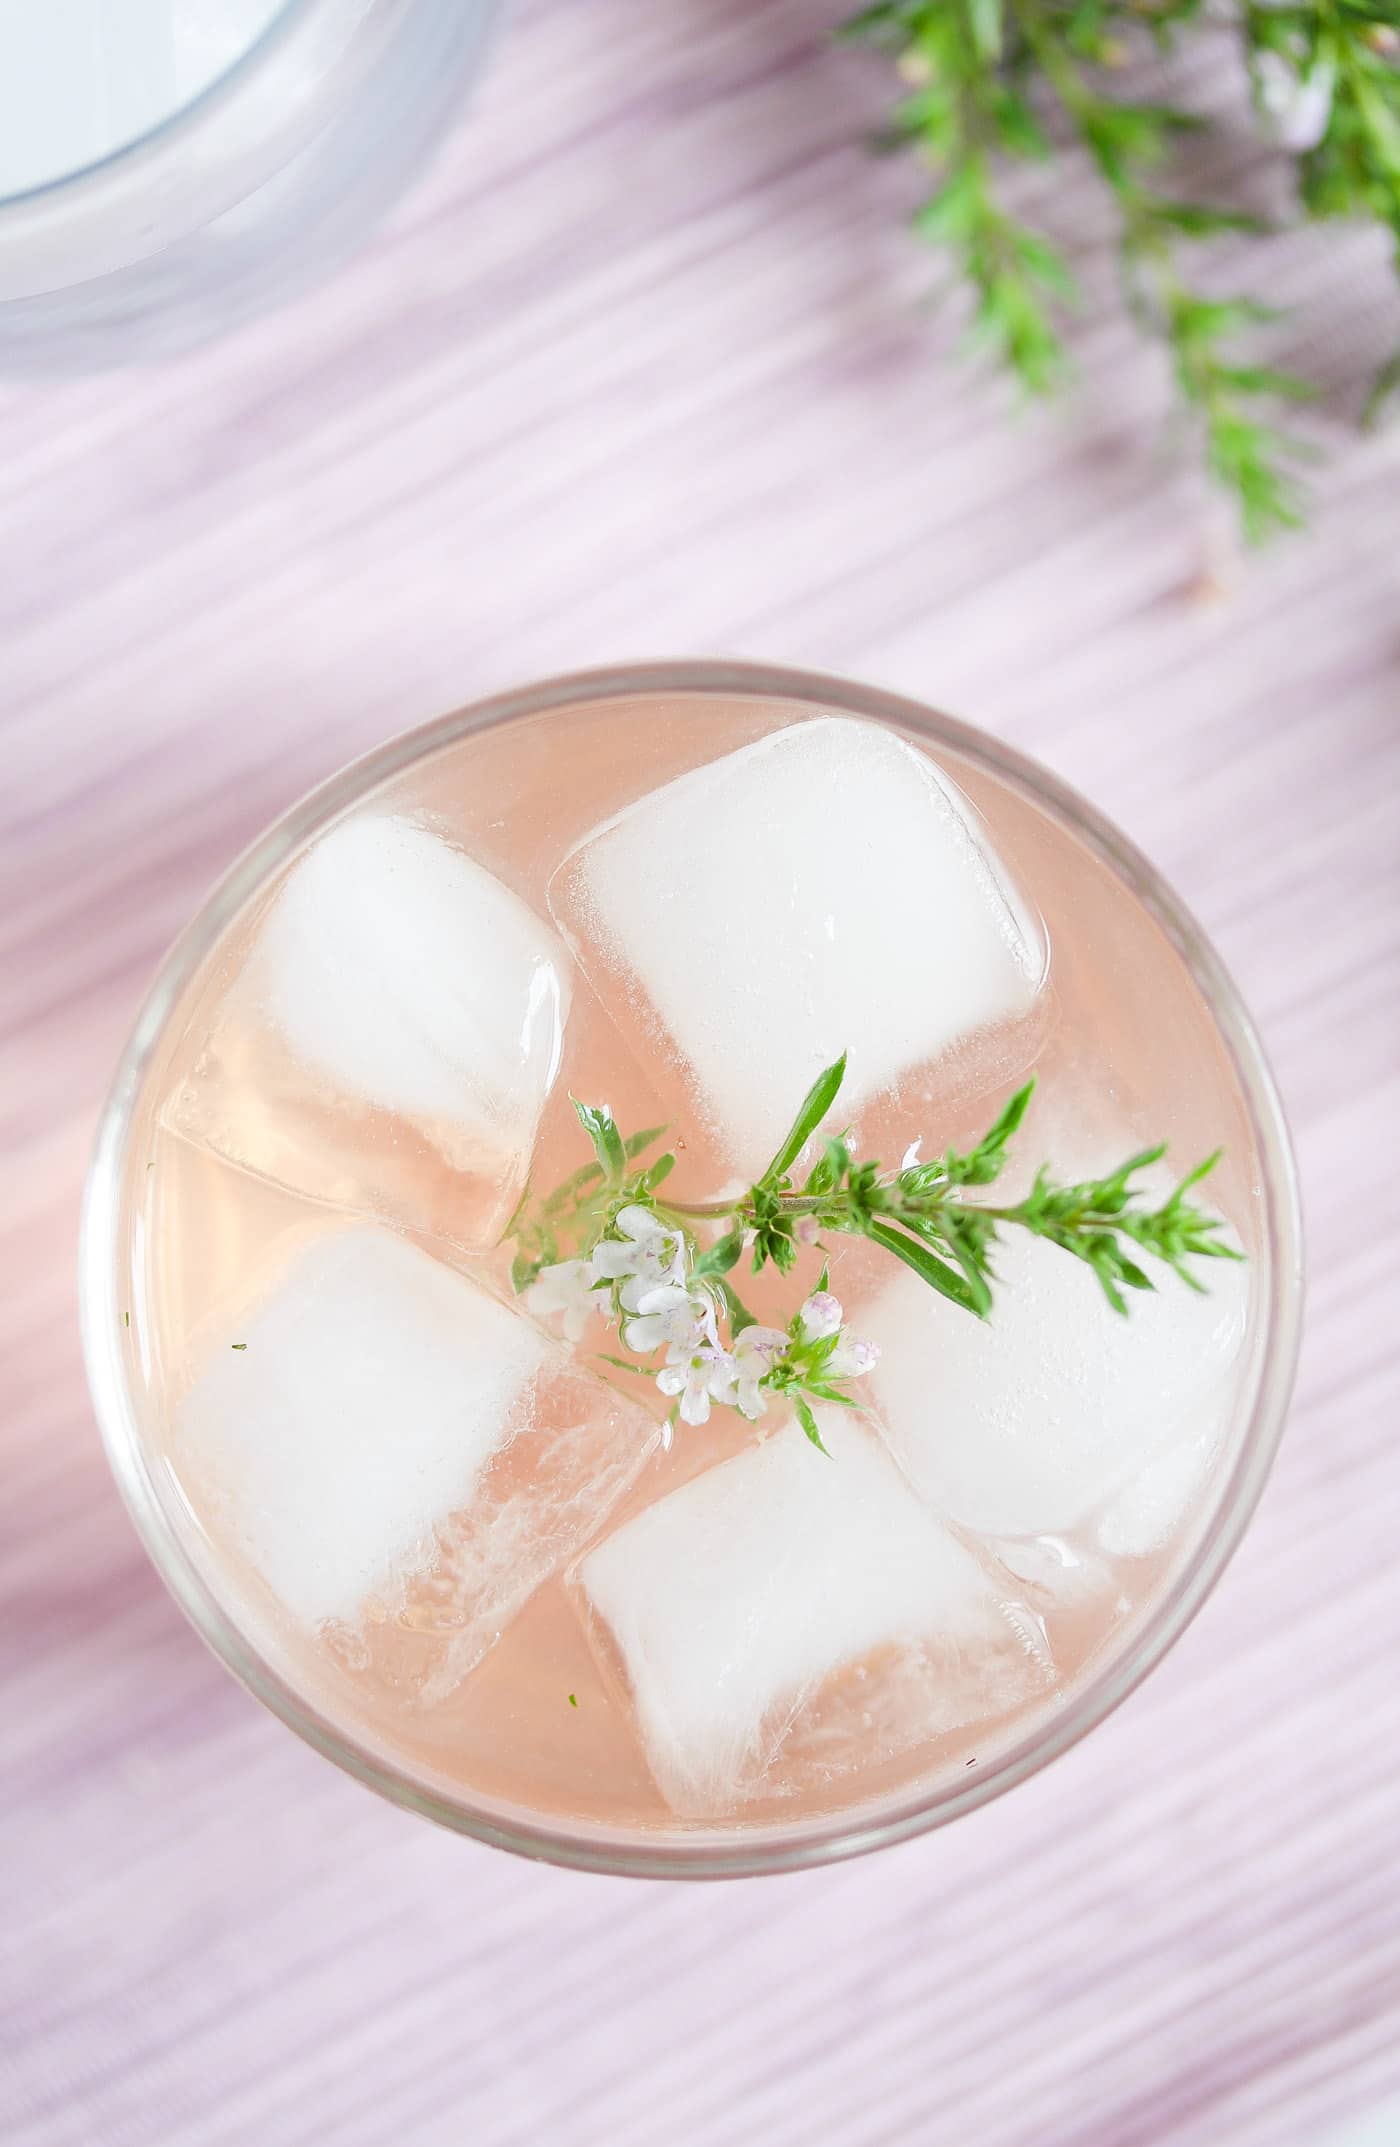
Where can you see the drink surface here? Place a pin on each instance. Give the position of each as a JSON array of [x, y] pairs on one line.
[[460, 1535], [82, 78]]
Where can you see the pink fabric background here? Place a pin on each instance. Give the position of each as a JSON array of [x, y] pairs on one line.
[[639, 371]]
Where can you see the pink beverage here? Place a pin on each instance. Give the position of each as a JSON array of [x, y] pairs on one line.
[[459, 1538]]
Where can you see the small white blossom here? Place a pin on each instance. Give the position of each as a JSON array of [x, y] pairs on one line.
[[644, 1256], [852, 1358], [1295, 108], [820, 1316], [754, 1354], [565, 1289], [911, 1154], [674, 1315], [700, 1377], [806, 1229]]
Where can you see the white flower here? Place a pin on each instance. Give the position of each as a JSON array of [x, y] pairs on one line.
[[697, 1378], [672, 1314], [566, 1289], [806, 1229], [1295, 107], [852, 1358], [820, 1316], [643, 1257], [754, 1354], [911, 1154]]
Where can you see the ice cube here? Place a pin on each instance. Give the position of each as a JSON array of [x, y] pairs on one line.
[[1147, 1509], [824, 889], [736, 1603], [409, 976], [380, 1439], [1030, 1422], [399, 1009]]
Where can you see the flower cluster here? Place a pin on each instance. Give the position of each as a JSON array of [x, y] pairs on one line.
[[641, 1275]]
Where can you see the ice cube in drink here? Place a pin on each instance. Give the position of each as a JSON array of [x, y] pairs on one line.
[[739, 1603], [390, 1036], [1036, 1420], [825, 889], [375, 1438]]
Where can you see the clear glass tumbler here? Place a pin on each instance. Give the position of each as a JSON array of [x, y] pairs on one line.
[[233, 200], [113, 1254]]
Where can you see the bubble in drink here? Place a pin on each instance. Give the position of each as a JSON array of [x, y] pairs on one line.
[[826, 889], [393, 980], [1033, 1421], [381, 1439], [736, 1602]]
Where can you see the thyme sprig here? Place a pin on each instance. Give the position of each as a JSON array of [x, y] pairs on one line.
[[993, 83], [661, 1269]]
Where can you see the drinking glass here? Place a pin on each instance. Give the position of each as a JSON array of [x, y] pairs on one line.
[[112, 1253], [238, 197]]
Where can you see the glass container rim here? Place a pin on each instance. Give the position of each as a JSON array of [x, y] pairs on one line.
[[172, 129], [837, 1836]]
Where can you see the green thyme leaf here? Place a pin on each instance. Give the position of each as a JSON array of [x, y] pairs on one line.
[[815, 1105], [597, 1122], [656, 1173], [721, 1256], [566, 1195], [809, 1424], [937, 1273]]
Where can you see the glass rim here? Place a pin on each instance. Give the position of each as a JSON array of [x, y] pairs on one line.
[[769, 1848], [175, 125]]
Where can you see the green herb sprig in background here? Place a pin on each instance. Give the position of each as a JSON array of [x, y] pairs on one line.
[[993, 83]]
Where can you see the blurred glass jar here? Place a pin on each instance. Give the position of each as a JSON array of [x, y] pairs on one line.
[[207, 200]]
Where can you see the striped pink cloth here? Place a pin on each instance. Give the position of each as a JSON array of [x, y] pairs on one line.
[[639, 371]]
